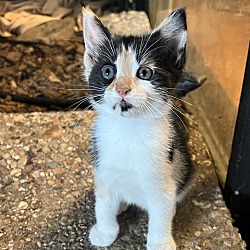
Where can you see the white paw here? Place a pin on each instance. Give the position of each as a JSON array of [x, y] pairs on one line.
[[169, 245], [102, 238]]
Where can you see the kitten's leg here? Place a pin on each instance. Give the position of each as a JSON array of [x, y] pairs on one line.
[[106, 229], [161, 214]]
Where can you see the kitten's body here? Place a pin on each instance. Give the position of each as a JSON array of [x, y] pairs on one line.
[[139, 150]]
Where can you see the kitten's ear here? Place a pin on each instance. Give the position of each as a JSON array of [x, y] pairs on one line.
[[94, 33], [174, 30]]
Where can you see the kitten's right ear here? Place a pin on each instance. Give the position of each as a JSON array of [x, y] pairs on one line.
[[94, 33]]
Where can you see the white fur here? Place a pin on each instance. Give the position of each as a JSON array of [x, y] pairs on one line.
[[132, 166]]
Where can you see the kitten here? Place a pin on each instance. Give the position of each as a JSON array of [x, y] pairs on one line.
[[140, 154]]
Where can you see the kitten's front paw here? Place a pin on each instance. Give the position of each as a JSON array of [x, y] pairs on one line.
[[100, 238], [169, 245]]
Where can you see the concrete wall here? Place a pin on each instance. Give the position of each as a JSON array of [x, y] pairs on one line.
[[219, 33]]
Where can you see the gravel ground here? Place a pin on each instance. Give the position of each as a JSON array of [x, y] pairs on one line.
[[47, 200]]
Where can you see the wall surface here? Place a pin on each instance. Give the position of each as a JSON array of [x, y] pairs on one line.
[[219, 34]]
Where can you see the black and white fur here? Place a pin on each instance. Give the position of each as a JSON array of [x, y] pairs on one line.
[[140, 154]]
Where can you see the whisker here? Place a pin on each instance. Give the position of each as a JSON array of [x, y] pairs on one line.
[[78, 103], [86, 89], [147, 51]]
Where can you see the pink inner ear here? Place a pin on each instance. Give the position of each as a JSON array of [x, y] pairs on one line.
[[93, 34]]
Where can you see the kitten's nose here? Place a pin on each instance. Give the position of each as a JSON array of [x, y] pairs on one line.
[[122, 90]]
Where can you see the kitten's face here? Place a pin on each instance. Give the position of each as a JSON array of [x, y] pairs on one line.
[[133, 76]]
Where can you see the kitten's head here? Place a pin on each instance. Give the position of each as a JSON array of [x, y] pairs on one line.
[[133, 76]]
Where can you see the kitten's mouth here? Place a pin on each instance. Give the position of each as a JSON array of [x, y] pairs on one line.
[[125, 106]]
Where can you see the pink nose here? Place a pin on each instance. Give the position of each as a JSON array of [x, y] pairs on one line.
[[122, 90]]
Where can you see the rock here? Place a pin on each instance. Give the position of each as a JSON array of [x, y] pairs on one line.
[[36, 174], [16, 172], [13, 56], [52, 76], [22, 161], [18, 118], [28, 168], [54, 131], [16, 156], [23, 205], [6, 156], [13, 164], [59, 157], [58, 171], [13, 84], [206, 163]]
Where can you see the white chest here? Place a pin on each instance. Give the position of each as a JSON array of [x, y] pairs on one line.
[[131, 155]]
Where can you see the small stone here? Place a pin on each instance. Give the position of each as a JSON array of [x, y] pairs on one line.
[[6, 156], [16, 172], [16, 157], [58, 171], [13, 56], [26, 148], [13, 164], [90, 180], [36, 174], [54, 131], [197, 233], [22, 161], [18, 118], [59, 157], [206, 163], [42, 174], [52, 76], [28, 168], [13, 84], [21, 189], [23, 205]]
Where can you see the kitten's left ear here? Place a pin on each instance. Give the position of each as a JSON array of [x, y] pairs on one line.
[[94, 33], [174, 30]]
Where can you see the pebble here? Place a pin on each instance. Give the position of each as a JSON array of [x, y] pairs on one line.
[[16, 157], [13, 164], [13, 56], [28, 168], [6, 156], [197, 233], [42, 174], [23, 205], [16, 172], [36, 174], [58, 171], [22, 161], [206, 163]]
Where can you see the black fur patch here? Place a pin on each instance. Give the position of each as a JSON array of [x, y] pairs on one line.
[[180, 143], [171, 153]]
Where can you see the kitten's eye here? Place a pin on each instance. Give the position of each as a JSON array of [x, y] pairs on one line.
[[145, 73], [108, 72]]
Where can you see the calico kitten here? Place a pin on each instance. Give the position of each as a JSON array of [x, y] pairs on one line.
[[140, 154]]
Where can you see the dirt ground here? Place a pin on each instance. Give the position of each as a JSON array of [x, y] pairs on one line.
[[45, 71]]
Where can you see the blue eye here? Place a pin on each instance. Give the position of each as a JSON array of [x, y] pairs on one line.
[[145, 73], [108, 72]]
